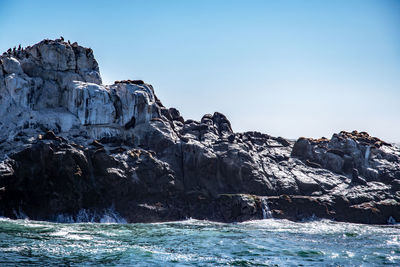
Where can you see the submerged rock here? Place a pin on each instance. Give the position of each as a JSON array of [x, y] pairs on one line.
[[72, 146]]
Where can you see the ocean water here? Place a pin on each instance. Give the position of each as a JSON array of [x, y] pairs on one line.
[[198, 243]]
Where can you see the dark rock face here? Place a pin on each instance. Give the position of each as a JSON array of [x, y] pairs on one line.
[[352, 153], [80, 147]]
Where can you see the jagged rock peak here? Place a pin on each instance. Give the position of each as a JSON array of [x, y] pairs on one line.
[[360, 137], [49, 56], [57, 86]]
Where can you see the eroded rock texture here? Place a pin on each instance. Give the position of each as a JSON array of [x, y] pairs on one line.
[[71, 146]]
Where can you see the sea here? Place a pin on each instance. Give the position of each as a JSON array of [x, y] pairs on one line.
[[191, 242]]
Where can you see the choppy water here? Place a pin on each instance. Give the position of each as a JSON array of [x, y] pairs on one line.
[[198, 243]]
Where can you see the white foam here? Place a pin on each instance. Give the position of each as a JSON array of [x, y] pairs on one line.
[[267, 214], [87, 216], [111, 216]]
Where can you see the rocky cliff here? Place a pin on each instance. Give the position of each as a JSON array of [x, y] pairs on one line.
[[73, 149]]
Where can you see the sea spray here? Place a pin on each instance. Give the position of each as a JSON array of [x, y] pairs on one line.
[[267, 214], [367, 152], [20, 214], [111, 216], [84, 215]]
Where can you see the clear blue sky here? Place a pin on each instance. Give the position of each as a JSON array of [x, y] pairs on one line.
[[286, 68]]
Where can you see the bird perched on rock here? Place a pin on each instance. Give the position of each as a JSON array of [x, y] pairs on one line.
[[62, 39]]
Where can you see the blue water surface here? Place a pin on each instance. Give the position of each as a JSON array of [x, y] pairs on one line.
[[198, 243]]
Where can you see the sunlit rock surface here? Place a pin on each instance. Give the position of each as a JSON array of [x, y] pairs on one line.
[[71, 144]]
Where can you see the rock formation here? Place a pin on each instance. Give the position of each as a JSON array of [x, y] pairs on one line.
[[71, 146]]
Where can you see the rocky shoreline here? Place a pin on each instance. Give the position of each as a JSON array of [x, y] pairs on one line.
[[70, 144]]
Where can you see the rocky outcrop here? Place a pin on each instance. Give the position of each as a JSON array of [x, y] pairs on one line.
[[358, 155], [71, 146]]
